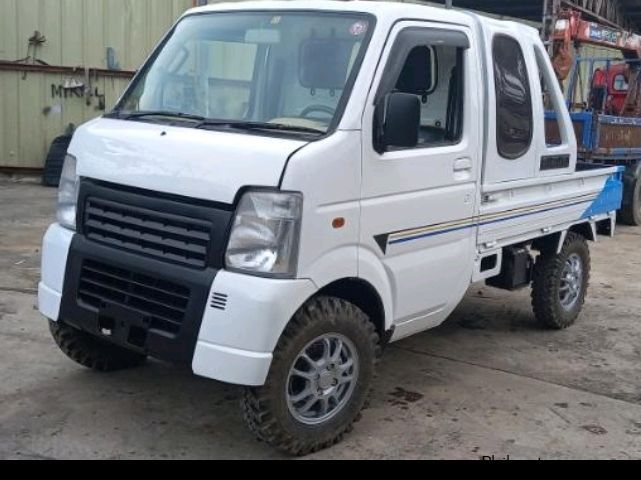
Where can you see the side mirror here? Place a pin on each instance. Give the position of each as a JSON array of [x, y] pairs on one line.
[[398, 119]]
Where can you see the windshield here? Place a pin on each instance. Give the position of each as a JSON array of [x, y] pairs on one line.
[[285, 69]]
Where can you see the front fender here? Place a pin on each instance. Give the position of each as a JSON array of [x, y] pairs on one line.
[[337, 265], [371, 270]]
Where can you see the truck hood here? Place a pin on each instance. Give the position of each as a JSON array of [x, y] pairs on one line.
[[202, 164]]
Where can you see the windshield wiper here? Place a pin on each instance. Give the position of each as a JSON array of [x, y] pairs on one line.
[[203, 122], [160, 113], [281, 127]]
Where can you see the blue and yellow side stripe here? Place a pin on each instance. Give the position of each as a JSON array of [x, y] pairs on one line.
[[410, 235]]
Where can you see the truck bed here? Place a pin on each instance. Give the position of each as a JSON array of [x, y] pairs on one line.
[[518, 211]]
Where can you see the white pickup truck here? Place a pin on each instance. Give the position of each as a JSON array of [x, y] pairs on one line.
[[287, 187]]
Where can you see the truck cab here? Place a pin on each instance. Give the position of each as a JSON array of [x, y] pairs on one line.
[[287, 187]]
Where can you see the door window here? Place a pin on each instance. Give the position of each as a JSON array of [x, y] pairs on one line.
[[433, 70]]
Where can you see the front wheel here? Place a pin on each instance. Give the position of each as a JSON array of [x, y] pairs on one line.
[[319, 380], [561, 283]]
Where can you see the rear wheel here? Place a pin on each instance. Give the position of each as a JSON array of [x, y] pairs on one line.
[[631, 214], [319, 380], [92, 352], [561, 282]]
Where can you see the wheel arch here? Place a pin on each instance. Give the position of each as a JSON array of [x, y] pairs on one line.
[[587, 230], [362, 294], [554, 241]]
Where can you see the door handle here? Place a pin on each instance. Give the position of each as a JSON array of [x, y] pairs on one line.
[[463, 165]]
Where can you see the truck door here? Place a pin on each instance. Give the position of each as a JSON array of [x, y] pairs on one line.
[[419, 204]]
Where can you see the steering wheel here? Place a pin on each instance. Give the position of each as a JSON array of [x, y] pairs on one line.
[[317, 108]]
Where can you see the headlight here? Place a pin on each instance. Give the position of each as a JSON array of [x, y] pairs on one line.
[[68, 194], [264, 238]]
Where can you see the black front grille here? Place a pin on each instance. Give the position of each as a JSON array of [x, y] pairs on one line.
[[161, 303], [183, 231], [176, 238], [140, 269]]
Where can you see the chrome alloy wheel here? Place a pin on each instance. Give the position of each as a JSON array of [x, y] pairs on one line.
[[571, 282], [322, 379]]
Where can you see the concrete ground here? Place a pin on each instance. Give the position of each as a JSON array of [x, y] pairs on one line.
[[488, 382]]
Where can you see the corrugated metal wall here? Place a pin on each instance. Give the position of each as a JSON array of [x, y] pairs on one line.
[[34, 109]]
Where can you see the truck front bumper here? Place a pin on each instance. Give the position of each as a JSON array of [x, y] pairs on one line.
[[229, 323], [55, 250]]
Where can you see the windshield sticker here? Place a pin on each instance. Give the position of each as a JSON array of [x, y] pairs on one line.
[[276, 20], [358, 29]]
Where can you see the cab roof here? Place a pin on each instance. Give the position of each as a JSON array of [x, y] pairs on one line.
[[394, 10], [385, 12]]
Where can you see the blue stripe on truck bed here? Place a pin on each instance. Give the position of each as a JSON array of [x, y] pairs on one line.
[[610, 199]]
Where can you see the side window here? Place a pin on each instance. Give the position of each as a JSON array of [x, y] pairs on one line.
[[435, 75], [430, 64], [552, 127], [514, 119]]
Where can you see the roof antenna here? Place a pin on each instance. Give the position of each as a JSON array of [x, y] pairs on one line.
[[448, 3]]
